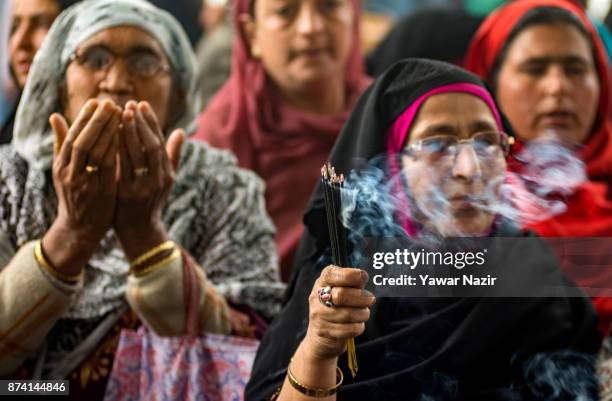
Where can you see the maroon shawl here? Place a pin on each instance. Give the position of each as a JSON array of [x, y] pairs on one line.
[[284, 145]]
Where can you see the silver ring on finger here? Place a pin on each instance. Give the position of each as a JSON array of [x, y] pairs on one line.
[[141, 171], [325, 296]]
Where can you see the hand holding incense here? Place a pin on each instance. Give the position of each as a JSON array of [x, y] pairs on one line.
[[332, 188]]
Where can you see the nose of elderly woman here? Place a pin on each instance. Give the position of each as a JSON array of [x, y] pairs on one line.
[[467, 165], [117, 82]]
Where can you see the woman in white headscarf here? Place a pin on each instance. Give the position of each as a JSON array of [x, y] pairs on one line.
[[102, 200]]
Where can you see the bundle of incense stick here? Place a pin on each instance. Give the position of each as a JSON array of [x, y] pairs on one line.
[[332, 188]]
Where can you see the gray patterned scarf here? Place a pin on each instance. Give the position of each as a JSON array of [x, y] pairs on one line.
[[33, 138]]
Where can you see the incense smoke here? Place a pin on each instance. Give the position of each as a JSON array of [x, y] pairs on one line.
[[562, 375], [369, 207], [549, 376], [372, 206], [551, 171]]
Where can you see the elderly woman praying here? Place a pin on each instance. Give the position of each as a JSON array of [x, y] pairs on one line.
[[103, 204]]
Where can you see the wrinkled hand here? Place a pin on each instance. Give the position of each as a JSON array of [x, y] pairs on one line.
[[329, 328], [145, 178], [241, 324], [86, 200], [84, 179]]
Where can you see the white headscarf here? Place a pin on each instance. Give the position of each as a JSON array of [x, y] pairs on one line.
[[33, 137]]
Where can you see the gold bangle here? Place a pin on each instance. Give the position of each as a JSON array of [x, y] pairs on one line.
[[164, 246], [146, 270], [315, 392], [43, 262]]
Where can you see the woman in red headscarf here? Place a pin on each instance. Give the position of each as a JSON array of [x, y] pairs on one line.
[[549, 71], [296, 72]]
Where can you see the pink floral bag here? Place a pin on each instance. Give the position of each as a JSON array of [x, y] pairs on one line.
[[208, 367]]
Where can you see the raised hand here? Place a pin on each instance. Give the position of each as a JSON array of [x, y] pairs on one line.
[[146, 176], [345, 315], [84, 171]]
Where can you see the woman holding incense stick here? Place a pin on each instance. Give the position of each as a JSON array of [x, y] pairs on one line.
[[435, 146], [105, 209]]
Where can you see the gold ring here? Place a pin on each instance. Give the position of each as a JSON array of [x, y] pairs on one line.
[[91, 169], [141, 171]]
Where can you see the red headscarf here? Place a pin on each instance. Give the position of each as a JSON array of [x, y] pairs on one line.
[[284, 145], [589, 209]]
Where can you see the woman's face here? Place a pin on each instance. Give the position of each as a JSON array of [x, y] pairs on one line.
[[452, 188], [29, 26], [122, 63], [548, 83], [301, 42]]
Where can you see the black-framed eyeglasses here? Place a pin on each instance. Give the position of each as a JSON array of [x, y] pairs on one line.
[[141, 63], [486, 145]]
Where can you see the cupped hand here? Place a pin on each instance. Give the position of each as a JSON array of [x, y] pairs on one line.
[[84, 170], [147, 166]]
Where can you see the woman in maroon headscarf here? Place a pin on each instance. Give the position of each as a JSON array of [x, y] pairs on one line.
[[549, 71], [296, 72]]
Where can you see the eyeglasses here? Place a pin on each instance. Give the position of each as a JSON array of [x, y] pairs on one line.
[[487, 145], [141, 63]]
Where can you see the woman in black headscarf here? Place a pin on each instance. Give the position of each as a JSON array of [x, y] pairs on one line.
[[418, 115]]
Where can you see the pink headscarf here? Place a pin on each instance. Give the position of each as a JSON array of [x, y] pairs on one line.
[[284, 145], [398, 134]]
